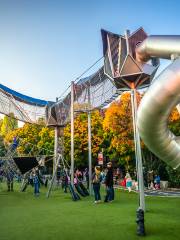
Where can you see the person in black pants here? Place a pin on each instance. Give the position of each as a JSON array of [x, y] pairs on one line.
[[109, 184], [96, 181], [10, 180]]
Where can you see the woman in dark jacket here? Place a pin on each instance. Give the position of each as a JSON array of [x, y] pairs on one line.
[[109, 184]]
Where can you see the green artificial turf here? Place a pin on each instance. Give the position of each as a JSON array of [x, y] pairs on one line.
[[25, 217]]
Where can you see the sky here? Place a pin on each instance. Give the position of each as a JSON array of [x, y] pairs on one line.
[[44, 45]]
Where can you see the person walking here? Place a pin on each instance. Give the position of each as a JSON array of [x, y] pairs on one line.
[[96, 181], [109, 184]]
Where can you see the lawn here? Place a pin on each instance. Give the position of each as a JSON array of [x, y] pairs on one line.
[[24, 217]]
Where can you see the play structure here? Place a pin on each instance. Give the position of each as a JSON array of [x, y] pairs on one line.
[[160, 99], [130, 64]]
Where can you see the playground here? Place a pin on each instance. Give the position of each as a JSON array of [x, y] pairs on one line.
[[26, 217], [101, 159]]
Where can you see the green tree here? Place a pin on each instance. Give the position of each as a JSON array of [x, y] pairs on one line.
[[9, 123], [34, 139], [118, 129], [81, 138], [2, 147]]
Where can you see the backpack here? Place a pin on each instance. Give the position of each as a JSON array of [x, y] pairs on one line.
[[97, 178]]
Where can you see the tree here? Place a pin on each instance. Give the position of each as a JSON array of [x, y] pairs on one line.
[[81, 138], [2, 147], [34, 139], [9, 123], [118, 128]]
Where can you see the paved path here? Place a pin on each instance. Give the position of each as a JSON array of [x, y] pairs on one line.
[[161, 193], [158, 193]]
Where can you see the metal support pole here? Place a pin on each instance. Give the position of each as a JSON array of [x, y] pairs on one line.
[[89, 145], [55, 148], [55, 145], [138, 152], [53, 177], [89, 152], [61, 136], [134, 127], [127, 33], [72, 133]]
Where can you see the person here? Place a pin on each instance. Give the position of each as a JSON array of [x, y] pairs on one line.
[[109, 184], [65, 181], [10, 180], [157, 182], [36, 183], [58, 174], [30, 179], [96, 181], [150, 179], [128, 181], [79, 175], [103, 176], [86, 174], [1, 175]]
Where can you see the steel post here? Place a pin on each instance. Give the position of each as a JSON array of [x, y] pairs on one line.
[[72, 133], [138, 152]]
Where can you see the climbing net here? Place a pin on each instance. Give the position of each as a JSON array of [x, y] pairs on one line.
[[92, 92], [23, 108]]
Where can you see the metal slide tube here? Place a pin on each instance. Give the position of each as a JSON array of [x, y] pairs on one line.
[[155, 108], [158, 46]]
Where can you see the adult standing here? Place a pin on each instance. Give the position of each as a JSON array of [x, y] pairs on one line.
[[109, 183], [36, 183], [96, 181], [10, 180]]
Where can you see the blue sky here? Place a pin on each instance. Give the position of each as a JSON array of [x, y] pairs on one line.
[[46, 44]]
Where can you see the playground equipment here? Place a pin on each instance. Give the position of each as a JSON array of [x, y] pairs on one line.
[[24, 108], [130, 63], [78, 186], [162, 96], [13, 164]]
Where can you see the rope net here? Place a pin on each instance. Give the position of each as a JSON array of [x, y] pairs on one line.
[[22, 110], [95, 91]]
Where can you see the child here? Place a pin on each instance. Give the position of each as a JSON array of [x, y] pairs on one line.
[[36, 184], [128, 181], [157, 182], [96, 180]]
